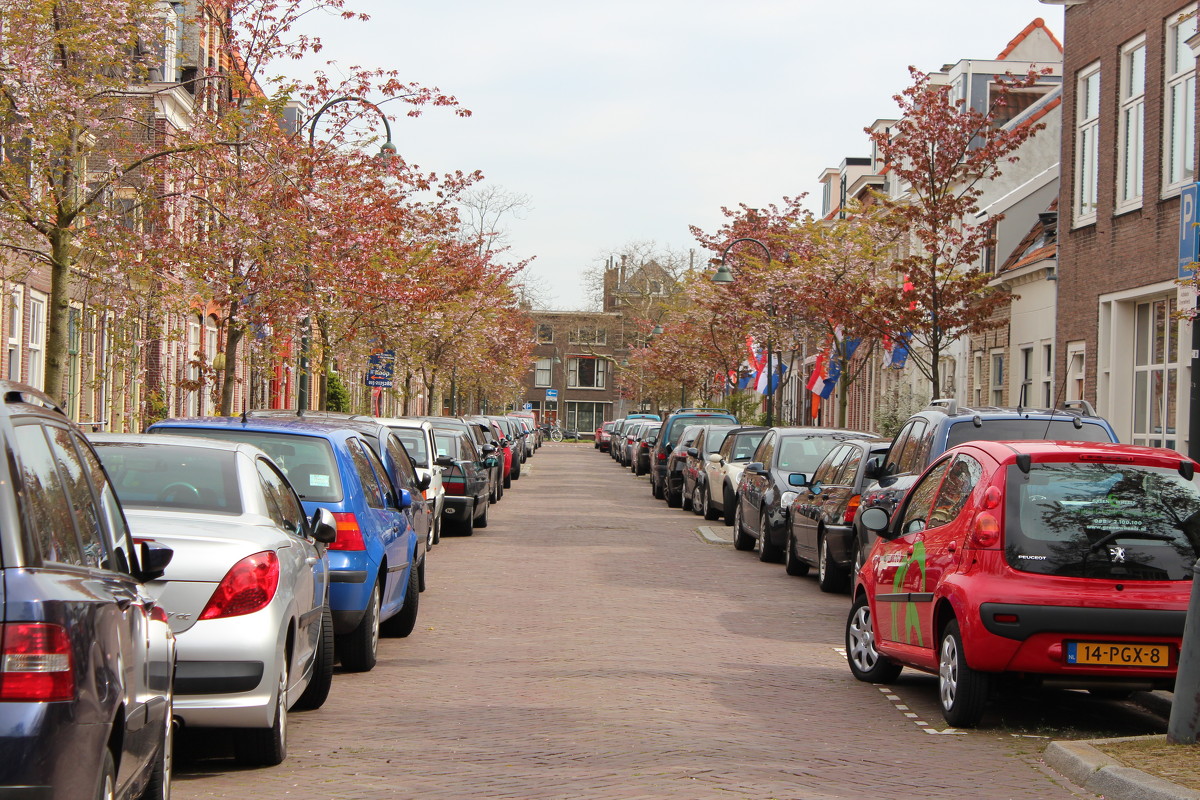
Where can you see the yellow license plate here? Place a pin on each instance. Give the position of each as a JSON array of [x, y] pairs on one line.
[[1119, 654]]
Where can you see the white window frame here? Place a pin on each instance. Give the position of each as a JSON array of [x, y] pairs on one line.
[[15, 321], [190, 356], [1180, 26], [1076, 388], [543, 365], [996, 377], [36, 342], [1131, 126], [1047, 395], [573, 372], [1087, 159]]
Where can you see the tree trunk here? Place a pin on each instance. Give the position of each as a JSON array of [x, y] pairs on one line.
[[326, 362], [233, 338], [55, 369]]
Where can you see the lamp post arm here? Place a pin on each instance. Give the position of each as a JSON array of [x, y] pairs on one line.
[[312, 125]]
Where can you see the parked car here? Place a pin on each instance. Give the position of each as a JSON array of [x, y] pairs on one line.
[[822, 515], [88, 654], [707, 442], [677, 463], [666, 485], [783, 463], [944, 424], [529, 423], [604, 436], [418, 441], [512, 433], [485, 442], [633, 444], [373, 562], [723, 470], [465, 478], [647, 438], [1046, 563], [247, 591]]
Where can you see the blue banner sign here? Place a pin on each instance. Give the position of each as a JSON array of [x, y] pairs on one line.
[[381, 369], [1189, 231]]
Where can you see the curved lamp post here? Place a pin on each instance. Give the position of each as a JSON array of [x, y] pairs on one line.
[[725, 275], [385, 152]]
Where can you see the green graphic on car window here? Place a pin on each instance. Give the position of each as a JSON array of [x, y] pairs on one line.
[[912, 622]]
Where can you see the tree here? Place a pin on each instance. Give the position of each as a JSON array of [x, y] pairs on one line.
[[941, 151]]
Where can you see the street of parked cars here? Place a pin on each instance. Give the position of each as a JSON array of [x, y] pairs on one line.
[[210, 573], [994, 548]]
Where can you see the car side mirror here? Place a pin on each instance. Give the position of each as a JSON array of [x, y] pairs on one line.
[[424, 482], [490, 462], [797, 479], [874, 468], [405, 499], [324, 526], [693, 452], [715, 458], [755, 468], [153, 558], [876, 520], [488, 448], [444, 461]]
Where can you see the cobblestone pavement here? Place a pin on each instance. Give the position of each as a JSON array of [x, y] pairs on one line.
[[589, 644]]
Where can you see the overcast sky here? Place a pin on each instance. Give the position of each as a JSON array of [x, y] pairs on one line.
[[630, 120]]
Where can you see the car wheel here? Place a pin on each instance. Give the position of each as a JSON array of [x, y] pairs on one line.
[[466, 526], [710, 513], [727, 510], [106, 785], [767, 552], [406, 619], [962, 690], [508, 480], [516, 470], [482, 521], [698, 500], [830, 576], [322, 678], [266, 747], [685, 497], [791, 562], [865, 661], [654, 490], [436, 529], [674, 500], [359, 648], [859, 559], [159, 787], [741, 539]]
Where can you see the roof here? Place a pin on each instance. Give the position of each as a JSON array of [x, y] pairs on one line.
[[262, 424], [1039, 244], [1017, 40], [1056, 450]]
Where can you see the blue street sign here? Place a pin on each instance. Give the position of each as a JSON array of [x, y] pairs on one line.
[[381, 368], [1189, 232], [552, 394], [527, 407]]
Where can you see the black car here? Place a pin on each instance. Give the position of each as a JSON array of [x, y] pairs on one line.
[[677, 462], [647, 437], [944, 424], [668, 485], [485, 442], [822, 516], [767, 488], [723, 470], [695, 490], [465, 480], [88, 655]]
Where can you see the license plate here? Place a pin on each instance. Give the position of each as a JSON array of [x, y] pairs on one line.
[[1119, 654]]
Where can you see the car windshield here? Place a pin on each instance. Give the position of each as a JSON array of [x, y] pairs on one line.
[[1024, 429], [413, 440], [744, 445], [715, 437], [1097, 520], [802, 453], [682, 421], [170, 476], [307, 461]]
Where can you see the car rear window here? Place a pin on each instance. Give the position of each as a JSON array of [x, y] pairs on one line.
[[744, 445], [307, 461], [413, 440], [1005, 430], [146, 475], [682, 421], [1096, 520]]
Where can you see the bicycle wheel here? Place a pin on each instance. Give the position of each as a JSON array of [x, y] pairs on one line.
[[556, 434]]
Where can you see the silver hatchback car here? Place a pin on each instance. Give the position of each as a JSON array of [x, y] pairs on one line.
[[247, 591]]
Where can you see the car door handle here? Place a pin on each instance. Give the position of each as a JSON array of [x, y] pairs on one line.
[[951, 547], [909, 552], [311, 560]]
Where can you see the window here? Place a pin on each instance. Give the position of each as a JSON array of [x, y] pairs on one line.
[[920, 499], [955, 491], [997, 378], [586, 373], [588, 335], [543, 372], [1179, 101], [1087, 133], [366, 475], [83, 504], [545, 334], [1130, 145], [911, 458], [1075, 370], [586, 416], [1047, 375], [74, 343], [977, 379], [16, 300], [47, 511], [282, 506], [1025, 398], [37, 339], [1155, 373]]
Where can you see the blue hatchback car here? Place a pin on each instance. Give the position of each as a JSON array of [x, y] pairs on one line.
[[373, 565]]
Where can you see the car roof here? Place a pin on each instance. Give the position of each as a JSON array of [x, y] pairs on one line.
[[180, 441], [296, 425], [1060, 450], [821, 432]]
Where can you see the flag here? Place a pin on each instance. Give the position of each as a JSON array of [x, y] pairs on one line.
[[895, 354], [818, 374], [824, 376], [768, 380]]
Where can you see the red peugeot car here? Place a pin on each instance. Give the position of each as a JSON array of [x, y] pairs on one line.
[[1058, 563]]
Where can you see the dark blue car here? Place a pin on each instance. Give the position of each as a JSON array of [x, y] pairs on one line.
[[373, 565], [85, 672]]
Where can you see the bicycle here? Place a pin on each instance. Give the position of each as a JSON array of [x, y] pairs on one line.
[[556, 433]]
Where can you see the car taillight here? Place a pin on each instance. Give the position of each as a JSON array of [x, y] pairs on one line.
[[985, 532], [35, 663], [662, 456], [349, 534], [851, 509], [247, 587]]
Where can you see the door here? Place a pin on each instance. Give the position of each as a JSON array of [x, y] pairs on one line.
[[811, 506], [388, 523], [754, 484]]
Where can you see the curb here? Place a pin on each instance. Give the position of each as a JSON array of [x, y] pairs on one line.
[[1086, 766], [711, 535]]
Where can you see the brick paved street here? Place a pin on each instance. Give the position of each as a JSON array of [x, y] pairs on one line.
[[589, 644]]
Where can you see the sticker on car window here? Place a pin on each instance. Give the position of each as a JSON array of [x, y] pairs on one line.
[[318, 480]]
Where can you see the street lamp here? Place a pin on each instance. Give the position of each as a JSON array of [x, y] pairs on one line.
[[725, 275], [387, 151]]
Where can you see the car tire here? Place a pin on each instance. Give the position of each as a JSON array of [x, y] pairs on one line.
[[654, 490], [728, 509], [516, 470], [767, 552], [830, 576], [685, 497], [741, 539], [697, 503], [673, 500], [791, 562], [482, 520], [405, 620], [437, 529], [466, 526], [962, 691], [159, 787], [106, 784], [859, 559], [322, 678], [508, 481], [266, 747], [710, 513], [865, 661], [359, 649]]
